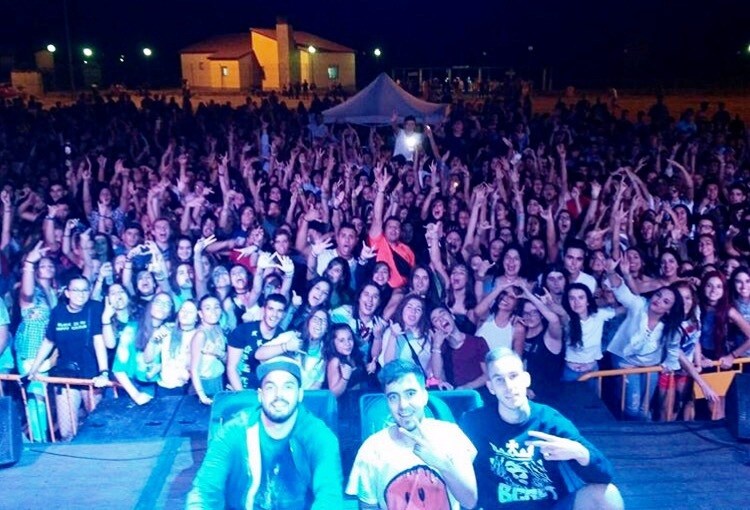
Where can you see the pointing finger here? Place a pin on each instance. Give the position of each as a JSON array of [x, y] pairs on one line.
[[542, 435]]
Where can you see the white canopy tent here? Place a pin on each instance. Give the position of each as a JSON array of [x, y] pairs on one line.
[[375, 104]]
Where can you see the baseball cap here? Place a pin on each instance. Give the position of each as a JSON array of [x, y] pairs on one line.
[[280, 363]]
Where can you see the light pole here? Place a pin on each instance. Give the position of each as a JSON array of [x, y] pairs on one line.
[[70, 48], [312, 50]]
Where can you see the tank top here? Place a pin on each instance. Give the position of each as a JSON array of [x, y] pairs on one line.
[[544, 366], [496, 336]]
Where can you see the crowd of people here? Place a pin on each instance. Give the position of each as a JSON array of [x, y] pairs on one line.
[[174, 247]]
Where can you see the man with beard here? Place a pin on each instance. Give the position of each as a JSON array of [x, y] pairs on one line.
[[417, 462], [278, 456], [527, 451], [245, 340]]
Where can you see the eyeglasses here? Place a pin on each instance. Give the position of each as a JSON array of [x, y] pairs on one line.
[[79, 291], [319, 320]]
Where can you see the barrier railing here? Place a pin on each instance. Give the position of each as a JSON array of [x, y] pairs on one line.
[[719, 384], [93, 397]]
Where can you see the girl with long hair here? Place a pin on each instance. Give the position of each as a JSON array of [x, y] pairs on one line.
[[583, 334], [345, 368], [690, 332], [649, 336], [718, 314], [37, 298], [137, 364], [407, 336], [208, 352], [175, 351]]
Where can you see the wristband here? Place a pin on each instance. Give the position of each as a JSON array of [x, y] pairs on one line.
[[104, 372], [106, 323]]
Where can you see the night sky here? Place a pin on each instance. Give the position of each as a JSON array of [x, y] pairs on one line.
[[587, 43]]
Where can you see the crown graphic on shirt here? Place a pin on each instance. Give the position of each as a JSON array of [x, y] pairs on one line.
[[513, 449]]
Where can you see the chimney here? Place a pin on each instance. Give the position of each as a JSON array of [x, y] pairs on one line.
[[289, 71]]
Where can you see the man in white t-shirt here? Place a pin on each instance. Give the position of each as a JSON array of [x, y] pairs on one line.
[[575, 254], [418, 460]]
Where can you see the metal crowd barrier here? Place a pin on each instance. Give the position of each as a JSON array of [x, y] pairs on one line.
[[719, 380], [65, 382]]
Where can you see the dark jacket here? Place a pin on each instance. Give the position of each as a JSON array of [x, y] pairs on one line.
[[230, 474]]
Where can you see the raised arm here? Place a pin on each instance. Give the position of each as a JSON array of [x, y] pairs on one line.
[[381, 181], [7, 219]]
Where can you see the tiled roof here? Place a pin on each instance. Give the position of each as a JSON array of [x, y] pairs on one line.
[[305, 39], [223, 47]]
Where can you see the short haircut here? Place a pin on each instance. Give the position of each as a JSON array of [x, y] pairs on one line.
[[398, 369], [576, 243], [500, 353], [410, 117], [279, 298]]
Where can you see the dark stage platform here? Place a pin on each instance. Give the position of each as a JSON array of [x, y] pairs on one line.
[[127, 457]]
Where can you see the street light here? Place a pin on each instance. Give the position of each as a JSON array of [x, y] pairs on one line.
[[311, 49], [377, 52], [87, 52], [51, 48], [147, 52]]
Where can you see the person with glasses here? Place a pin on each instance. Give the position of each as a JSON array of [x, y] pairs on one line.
[[305, 346], [75, 329]]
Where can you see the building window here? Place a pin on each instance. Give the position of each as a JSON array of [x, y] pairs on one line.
[[224, 71], [333, 72]]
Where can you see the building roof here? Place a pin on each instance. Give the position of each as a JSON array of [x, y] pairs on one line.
[[235, 46], [305, 39], [223, 47]]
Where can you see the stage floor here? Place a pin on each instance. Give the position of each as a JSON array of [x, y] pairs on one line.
[[146, 458]]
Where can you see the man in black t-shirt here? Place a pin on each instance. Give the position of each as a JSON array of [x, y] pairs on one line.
[[75, 329], [526, 450], [245, 340]]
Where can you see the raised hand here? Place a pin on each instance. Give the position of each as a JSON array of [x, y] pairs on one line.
[[37, 252], [202, 243], [296, 300], [286, 265], [396, 328], [484, 266], [320, 246], [265, 261], [610, 265], [367, 252], [108, 312], [432, 453]]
